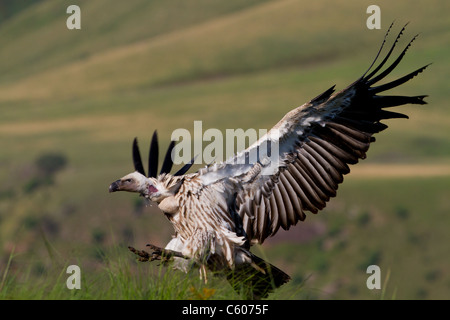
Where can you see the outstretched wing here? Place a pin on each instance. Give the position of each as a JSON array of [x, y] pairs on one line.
[[316, 143]]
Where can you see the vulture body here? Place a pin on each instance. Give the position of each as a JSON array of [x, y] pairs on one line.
[[221, 210]]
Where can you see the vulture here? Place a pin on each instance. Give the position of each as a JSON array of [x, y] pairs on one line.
[[224, 208]]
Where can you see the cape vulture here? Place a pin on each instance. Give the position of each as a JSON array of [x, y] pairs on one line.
[[221, 210]]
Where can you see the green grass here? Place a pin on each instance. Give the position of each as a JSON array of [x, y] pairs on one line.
[[119, 277], [139, 66]]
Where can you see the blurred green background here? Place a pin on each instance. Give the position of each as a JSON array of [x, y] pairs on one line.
[[71, 101]]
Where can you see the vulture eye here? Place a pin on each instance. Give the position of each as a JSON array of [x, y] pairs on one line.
[[128, 180]]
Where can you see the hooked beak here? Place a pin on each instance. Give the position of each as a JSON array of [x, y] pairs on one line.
[[115, 186]]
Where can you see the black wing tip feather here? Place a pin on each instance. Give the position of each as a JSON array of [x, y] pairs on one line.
[[369, 80], [153, 159], [137, 160], [379, 50], [168, 163], [153, 156], [393, 101], [323, 96], [419, 99], [397, 82], [387, 55], [186, 167]]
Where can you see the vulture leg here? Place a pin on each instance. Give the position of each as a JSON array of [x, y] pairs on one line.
[[157, 254], [144, 256], [165, 254]]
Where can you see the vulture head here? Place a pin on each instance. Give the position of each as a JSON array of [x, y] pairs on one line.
[[153, 187]]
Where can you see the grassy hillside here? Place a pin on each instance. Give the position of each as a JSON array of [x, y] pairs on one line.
[[137, 66]]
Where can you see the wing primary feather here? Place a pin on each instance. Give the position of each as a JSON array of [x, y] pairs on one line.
[[137, 160], [323, 96], [388, 54], [381, 48], [393, 101], [168, 163], [185, 168], [397, 82], [153, 156], [384, 114], [393, 65]]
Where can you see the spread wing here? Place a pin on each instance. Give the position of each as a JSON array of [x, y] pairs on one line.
[[299, 164]]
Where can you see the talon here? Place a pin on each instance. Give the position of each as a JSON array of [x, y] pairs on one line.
[[155, 248], [132, 249], [157, 254], [155, 257], [143, 255]]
